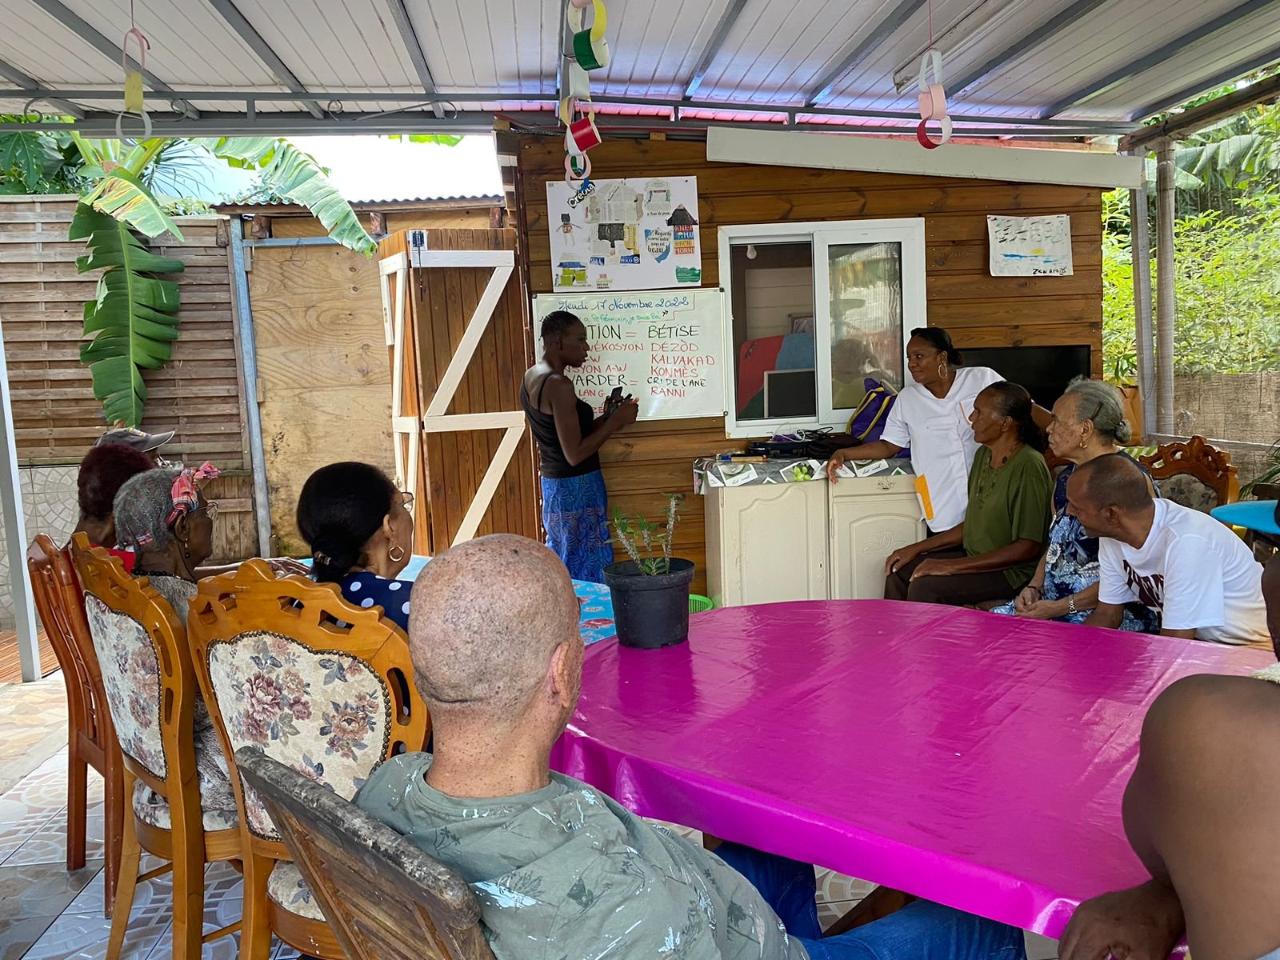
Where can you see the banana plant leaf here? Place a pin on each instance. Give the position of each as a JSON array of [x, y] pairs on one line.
[[133, 319], [125, 197], [294, 175]]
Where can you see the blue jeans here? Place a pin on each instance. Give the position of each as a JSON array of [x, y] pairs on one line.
[[921, 930]]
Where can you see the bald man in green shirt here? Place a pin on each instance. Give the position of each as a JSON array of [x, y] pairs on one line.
[[562, 871]]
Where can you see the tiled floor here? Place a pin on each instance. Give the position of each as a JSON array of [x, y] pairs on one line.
[[49, 914]]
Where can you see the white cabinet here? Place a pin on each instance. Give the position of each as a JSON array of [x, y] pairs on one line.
[[767, 542], [870, 517], [806, 541]]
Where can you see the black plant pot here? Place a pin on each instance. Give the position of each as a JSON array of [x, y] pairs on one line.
[[650, 611]]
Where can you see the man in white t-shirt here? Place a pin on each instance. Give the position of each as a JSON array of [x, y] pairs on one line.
[[1188, 567], [1200, 811]]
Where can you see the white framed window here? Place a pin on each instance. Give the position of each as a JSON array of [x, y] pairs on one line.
[[813, 310]]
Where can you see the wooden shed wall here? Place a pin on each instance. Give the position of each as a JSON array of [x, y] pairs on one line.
[[645, 462]]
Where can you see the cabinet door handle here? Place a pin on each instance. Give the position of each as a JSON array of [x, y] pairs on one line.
[[885, 483]]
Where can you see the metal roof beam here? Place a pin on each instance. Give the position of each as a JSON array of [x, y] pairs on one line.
[[409, 37], [212, 124], [1055, 24], [14, 75], [249, 34], [90, 35], [1156, 57], [1260, 92], [412, 100], [883, 30], [727, 20]]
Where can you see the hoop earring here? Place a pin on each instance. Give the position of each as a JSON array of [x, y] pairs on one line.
[[395, 553], [942, 370]]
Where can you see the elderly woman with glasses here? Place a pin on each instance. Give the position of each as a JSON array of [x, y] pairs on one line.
[[360, 530], [1088, 422], [162, 516]]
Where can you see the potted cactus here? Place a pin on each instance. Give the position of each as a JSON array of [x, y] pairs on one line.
[[651, 588]]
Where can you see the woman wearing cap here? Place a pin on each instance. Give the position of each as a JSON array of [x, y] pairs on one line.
[[360, 530], [931, 416], [103, 471]]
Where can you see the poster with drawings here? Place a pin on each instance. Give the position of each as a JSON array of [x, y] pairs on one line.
[[1030, 246], [624, 234]]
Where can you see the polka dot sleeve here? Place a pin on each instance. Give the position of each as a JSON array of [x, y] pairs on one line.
[[369, 590]]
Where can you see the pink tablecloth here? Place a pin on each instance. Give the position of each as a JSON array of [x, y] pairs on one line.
[[968, 758]]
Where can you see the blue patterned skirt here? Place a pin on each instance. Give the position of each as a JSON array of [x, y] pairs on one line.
[[575, 512]]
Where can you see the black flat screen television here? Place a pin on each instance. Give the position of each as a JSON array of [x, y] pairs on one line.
[[1044, 371]]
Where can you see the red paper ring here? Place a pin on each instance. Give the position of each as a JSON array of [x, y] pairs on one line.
[[922, 135]]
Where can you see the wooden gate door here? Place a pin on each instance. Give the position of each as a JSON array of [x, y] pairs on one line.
[[459, 341]]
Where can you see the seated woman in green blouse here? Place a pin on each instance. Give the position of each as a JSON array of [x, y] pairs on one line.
[[994, 552]]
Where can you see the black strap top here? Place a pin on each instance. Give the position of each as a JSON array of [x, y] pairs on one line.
[[543, 425]]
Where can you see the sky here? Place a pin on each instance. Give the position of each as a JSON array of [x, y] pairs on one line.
[[377, 168]]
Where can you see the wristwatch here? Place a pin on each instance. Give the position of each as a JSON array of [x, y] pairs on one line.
[[1071, 605]]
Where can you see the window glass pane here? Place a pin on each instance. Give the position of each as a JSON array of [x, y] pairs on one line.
[[773, 337], [866, 318]]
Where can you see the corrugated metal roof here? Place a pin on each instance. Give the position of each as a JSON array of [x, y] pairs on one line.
[[850, 56]]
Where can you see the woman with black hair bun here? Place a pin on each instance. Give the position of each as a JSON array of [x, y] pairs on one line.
[[360, 530], [931, 416]]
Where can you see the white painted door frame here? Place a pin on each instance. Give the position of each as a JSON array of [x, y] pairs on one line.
[[407, 430], [15, 529]]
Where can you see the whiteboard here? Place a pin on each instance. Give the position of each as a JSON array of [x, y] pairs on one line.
[[665, 347]]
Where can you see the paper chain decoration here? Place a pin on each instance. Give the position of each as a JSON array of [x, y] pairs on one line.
[[933, 101], [590, 52], [133, 98]]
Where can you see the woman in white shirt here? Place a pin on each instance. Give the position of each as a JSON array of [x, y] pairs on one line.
[[931, 416]]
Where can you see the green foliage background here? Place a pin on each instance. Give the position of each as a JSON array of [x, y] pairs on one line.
[[1227, 254]]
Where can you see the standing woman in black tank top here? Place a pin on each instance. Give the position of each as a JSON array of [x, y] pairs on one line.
[[575, 511]]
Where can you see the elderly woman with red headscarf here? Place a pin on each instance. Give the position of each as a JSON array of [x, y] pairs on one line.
[[162, 516], [165, 519]]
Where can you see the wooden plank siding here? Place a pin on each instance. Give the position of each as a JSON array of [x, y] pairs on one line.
[[645, 462], [440, 303], [199, 392]]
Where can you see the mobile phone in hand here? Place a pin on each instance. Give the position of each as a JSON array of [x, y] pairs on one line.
[[613, 400]]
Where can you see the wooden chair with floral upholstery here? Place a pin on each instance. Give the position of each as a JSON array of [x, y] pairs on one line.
[[91, 739], [385, 897], [1195, 474], [145, 678], [320, 685]]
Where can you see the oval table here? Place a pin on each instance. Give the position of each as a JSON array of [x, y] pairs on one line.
[[968, 758]]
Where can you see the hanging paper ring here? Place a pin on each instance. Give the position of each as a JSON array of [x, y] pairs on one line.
[[927, 141], [577, 166], [146, 124], [599, 18], [591, 54]]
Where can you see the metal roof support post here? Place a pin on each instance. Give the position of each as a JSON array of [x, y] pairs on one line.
[[249, 356], [1140, 253], [15, 529], [1166, 300]]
